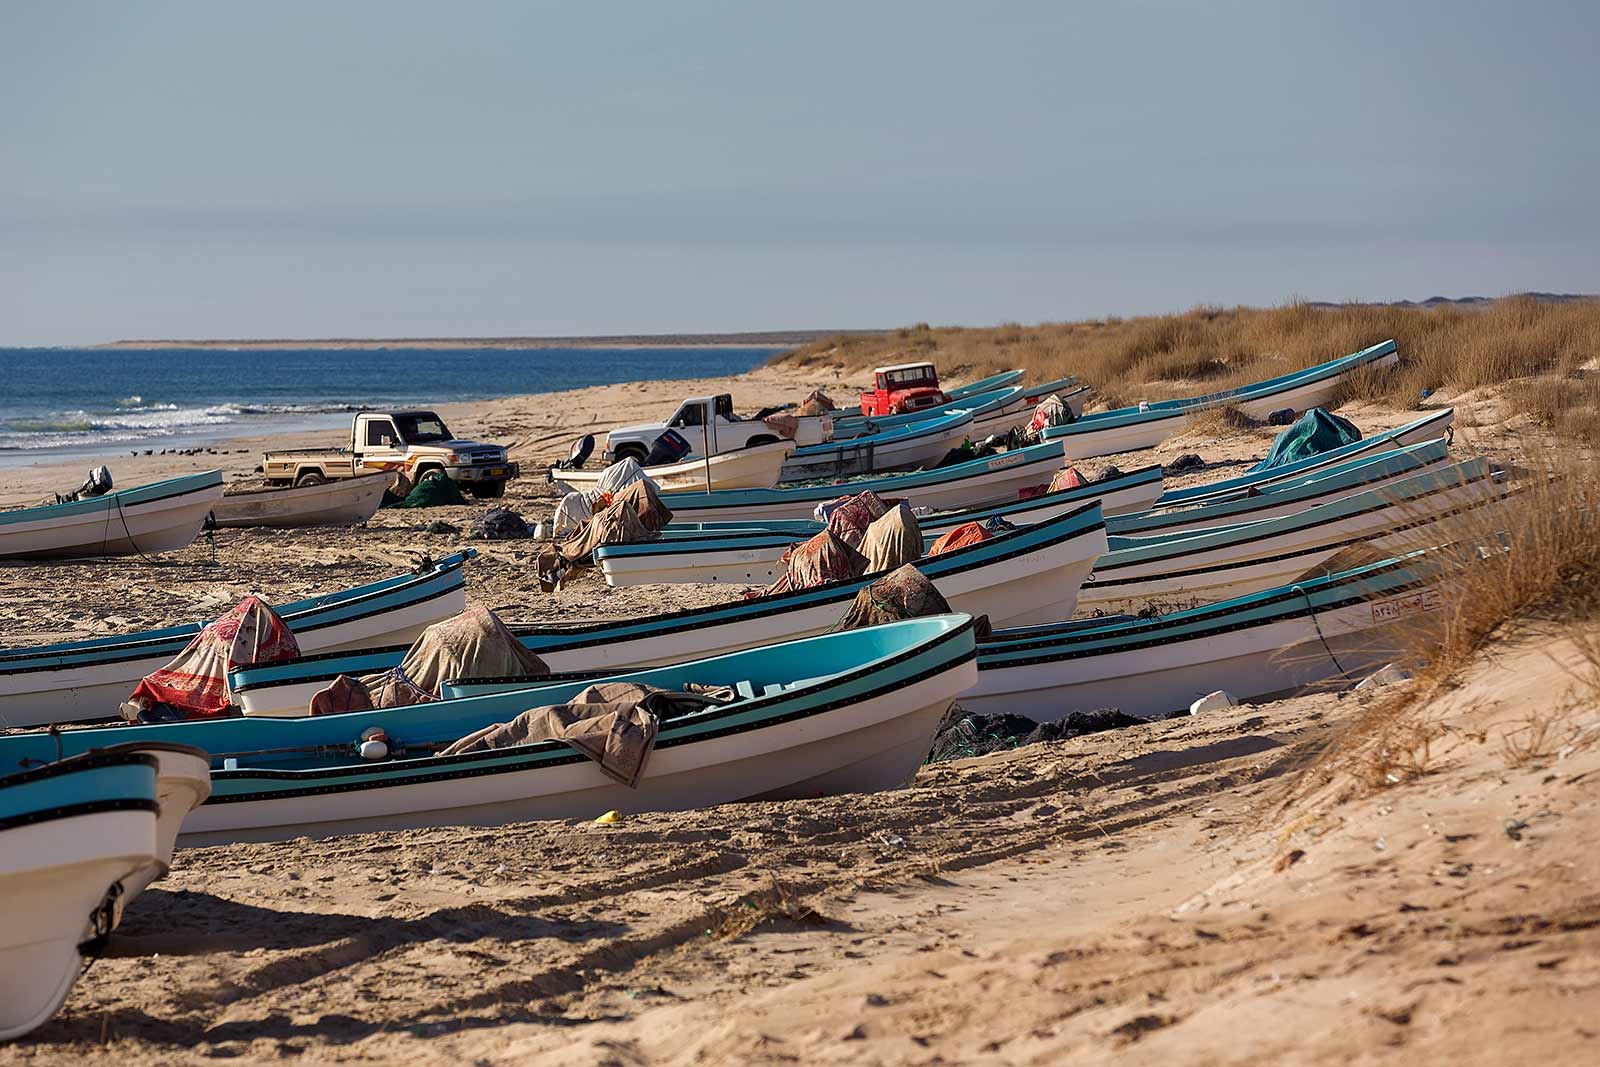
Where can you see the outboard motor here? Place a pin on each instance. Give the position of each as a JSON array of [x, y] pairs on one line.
[[582, 449], [670, 447], [99, 483]]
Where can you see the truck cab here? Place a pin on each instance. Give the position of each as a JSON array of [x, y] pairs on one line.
[[902, 388]]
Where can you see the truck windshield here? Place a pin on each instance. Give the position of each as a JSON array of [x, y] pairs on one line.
[[911, 377], [420, 427]]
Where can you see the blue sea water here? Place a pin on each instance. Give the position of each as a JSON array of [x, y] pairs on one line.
[[59, 402]]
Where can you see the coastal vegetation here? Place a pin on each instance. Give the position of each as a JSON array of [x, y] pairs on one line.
[[1541, 356]]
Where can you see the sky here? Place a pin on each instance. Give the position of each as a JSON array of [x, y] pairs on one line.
[[367, 169]]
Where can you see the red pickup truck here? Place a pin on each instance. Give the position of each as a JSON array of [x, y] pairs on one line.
[[902, 388]]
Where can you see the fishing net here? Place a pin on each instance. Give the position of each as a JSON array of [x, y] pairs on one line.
[[964, 734], [434, 489], [822, 559], [850, 516]]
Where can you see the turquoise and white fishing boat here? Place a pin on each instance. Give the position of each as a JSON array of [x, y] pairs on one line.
[[848, 712], [1028, 575], [755, 556], [752, 553], [1002, 380], [1433, 425], [1365, 473], [1129, 429], [1189, 568], [76, 681], [997, 479], [147, 519], [1272, 643], [906, 447], [70, 833]]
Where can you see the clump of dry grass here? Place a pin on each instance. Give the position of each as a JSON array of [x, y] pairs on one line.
[[1532, 563], [776, 904], [1443, 348]]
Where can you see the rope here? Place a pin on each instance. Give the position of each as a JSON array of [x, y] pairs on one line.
[[1311, 609]]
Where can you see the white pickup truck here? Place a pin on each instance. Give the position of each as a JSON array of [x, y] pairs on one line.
[[709, 424], [411, 442]]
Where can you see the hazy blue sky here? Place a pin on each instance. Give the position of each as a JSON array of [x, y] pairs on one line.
[[381, 169]]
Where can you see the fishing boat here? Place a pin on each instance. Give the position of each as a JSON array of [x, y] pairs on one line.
[[341, 502], [1188, 569], [1130, 429], [147, 519], [1433, 425], [183, 781], [1030, 574], [1289, 496], [70, 832], [985, 385], [848, 712], [915, 444], [750, 554], [752, 467], [997, 479], [1329, 629], [76, 681], [1015, 407]]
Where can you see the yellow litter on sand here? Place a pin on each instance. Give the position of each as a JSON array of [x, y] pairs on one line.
[[609, 817]]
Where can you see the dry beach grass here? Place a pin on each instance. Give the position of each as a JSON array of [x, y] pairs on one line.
[[1400, 875]]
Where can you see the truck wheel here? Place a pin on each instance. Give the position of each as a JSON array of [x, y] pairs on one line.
[[486, 490], [310, 478], [633, 452]]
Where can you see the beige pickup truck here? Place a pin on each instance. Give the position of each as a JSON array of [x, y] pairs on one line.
[[409, 442]]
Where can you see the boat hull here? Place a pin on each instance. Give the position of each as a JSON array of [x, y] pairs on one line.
[[148, 519], [1251, 661], [756, 467], [865, 745], [343, 502]]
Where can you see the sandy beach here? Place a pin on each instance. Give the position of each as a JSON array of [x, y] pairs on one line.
[[1150, 894]]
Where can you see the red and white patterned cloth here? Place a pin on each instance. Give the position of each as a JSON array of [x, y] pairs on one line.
[[196, 681]]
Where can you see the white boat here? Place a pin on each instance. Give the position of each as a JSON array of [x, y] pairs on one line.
[[183, 782], [1130, 429], [147, 519], [342, 502], [1027, 575], [997, 479], [844, 712], [1196, 568], [70, 832], [754, 556], [76, 681], [1363, 474], [917, 444], [1330, 629], [753, 467]]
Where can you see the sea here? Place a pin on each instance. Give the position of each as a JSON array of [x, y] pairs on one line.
[[62, 403]]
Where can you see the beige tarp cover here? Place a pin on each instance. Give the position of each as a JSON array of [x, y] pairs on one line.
[[474, 644], [613, 723], [646, 503], [573, 511], [635, 514], [892, 540], [783, 425], [817, 403]]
